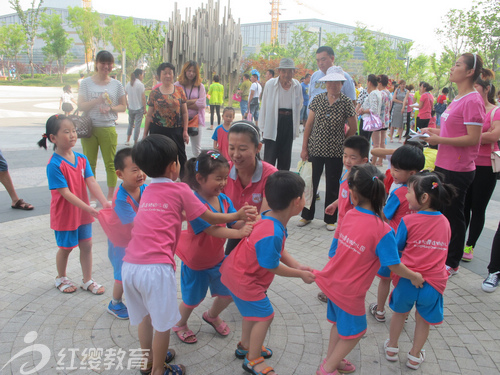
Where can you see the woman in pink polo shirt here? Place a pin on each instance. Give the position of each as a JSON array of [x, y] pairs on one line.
[[425, 106], [458, 140], [485, 180], [248, 174]]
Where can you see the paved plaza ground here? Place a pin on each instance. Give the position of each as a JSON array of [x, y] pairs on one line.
[[63, 334]]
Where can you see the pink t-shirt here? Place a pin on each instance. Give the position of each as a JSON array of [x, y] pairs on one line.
[[221, 136], [397, 206], [246, 270], [348, 275], [424, 237], [484, 154], [409, 102], [425, 109], [467, 110], [157, 226], [253, 193], [344, 199], [432, 122]]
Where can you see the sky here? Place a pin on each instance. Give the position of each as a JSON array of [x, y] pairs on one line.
[[413, 20]]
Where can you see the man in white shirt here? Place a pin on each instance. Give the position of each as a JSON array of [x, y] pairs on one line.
[[254, 98]]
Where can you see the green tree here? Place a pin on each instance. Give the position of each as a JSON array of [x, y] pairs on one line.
[[342, 46], [87, 26], [12, 42], [122, 34], [440, 68], [300, 47], [30, 21], [151, 40], [57, 41]]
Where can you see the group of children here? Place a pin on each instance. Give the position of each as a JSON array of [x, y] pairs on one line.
[[143, 225]]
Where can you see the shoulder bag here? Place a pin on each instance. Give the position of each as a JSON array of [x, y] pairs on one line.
[[83, 124], [372, 123], [193, 122]]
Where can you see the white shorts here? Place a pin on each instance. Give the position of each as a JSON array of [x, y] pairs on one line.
[[151, 289]]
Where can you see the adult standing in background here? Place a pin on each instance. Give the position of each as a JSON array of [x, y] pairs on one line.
[[253, 97], [244, 91], [216, 94], [325, 58], [168, 113], [305, 95], [399, 98], [280, 115], [425, 105], [190, 80], [101, 98], [136, 103], [372, 101], [268, 75]]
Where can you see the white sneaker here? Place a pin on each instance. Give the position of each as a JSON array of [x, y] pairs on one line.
[[331, 227], [303, 223], [490, 284]]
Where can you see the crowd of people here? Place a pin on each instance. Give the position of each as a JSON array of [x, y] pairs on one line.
[[238, 206]]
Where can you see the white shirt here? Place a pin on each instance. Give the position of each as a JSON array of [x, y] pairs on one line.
[[134, 94], [257, 89]]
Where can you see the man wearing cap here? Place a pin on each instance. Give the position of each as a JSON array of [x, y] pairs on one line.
[[280, 115], [254, 97], [324, 136], [325, 58]]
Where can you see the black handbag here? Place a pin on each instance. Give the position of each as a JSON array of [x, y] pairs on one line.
[[83, 124]]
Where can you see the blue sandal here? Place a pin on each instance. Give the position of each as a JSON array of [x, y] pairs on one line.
[[169, 358], [249, 365], [174, 370], [241, 352]]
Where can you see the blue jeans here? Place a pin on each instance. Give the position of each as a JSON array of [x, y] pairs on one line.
[[244, 107]]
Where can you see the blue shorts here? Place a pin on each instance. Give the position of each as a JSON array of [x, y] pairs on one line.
[[254, 310], [69, 239], [3, 163], [115, 255], [195, 284], [384, 272], [348, 326], [428, 301]]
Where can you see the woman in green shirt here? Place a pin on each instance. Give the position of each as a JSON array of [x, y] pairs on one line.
[[216, 93]]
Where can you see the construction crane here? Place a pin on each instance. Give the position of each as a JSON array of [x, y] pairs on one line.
[[275, 17]]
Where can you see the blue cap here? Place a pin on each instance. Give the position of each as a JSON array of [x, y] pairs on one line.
[[255, 71]]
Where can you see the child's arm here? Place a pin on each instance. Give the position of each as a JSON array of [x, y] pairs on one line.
[[401, 270], [216, 146], [75, 201], [285, 271], [381, 152], [330, 210], [96, 191], [246, 212], [223, 232], [391, 206]]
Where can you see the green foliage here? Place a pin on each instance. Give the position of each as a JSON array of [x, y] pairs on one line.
[[300, 47], [122, 34], [342, 46], [87, 26], [12, 41], [57, 40], [44, 80], [151, 40]]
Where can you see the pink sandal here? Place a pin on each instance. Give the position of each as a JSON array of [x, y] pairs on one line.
[[347, 369], [322, 371], [187, 336], [222, 329]]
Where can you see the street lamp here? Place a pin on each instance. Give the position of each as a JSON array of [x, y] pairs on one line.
[[271, 54], [315, 30]]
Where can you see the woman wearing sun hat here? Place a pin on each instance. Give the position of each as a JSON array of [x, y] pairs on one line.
[[280, 115], [324, 136]]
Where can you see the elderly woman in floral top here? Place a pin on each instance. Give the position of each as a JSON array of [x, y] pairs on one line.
[[168, 113], [324, 136]]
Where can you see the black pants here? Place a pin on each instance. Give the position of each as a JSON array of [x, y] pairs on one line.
[[422, 123], [408, 120], [175, 134], [231, 244], [333, 171], [364, 133], [455, 213], [281, 148], [476, 201], [494, 265], [217, 109]]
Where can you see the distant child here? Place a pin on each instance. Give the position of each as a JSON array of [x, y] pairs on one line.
[[66, 99], [432, 121], [441, 104], [349, 273], [250, 268], [201, 246], [423, 237], [221, 132], [117, 222], [356, 150], [71, 217], [148, 271], [405, 162]]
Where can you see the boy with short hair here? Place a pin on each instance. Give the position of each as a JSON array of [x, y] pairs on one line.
[[117, 222], [405, 162], [250, 268]]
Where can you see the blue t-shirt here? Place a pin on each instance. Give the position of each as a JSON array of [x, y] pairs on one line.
[[199, 225], [305, 93]]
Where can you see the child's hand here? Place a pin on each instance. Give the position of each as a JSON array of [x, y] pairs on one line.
[[245, 230], [248, 213], [304, 268], [107, 204], [93, 211], [308, 277], [417, 280], [330, 210]]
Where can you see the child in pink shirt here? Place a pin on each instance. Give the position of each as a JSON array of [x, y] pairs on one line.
[[349, 273], [405, 162], [423, 237], [221, 132], [148, 276], [250, 268]]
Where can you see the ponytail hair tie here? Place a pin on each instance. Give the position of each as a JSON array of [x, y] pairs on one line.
[[374, 177], [434, 185], [44, 135]]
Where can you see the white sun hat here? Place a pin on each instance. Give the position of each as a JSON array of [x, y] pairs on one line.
[[334, 73]]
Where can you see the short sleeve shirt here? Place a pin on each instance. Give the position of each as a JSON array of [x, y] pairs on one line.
[[198, 250], [328, 132], [484, 154], [61, 173], [246, 270], [245, 89], [90, 90], [221, 136], [397, 206], [167, 107], [345, 204]]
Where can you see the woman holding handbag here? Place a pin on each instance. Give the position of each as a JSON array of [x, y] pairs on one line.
[[483, 185], [370, 107]]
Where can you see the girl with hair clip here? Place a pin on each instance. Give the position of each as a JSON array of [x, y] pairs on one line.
[[190, 81], [458, 140], [423, 238], [483, 185], [136, 104], [201, 246], [348, 275]]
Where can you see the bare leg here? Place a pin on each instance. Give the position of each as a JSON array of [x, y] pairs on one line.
[[384, 286], [376, 143], [9, 186], [145, 333], [391, 133], [111, 191], [397, 324], [246, 329], [421, 334], [117, 290], [340, 350], [257, 337], [334, 339], [86, 262], [219, 305], [185, 314], [161, 341], [62, 257]]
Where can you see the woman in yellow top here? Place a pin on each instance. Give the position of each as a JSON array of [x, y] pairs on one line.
[[216, 93]]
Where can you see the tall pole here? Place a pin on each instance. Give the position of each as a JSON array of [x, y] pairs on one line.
[[124, 71]]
